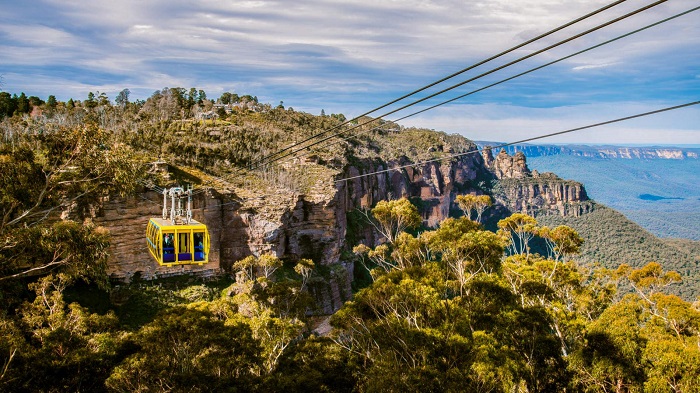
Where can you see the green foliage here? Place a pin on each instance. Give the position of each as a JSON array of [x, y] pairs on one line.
[[53, 346], [356, 224], [58, 169], [413, 335], [189, 349], [79, 251], [518, 229], [394, 217], [612, 240], [470, 202], [314, 365]]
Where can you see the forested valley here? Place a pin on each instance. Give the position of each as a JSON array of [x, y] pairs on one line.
[[460, 307]]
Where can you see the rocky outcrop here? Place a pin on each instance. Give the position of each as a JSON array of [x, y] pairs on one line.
[[522, 190], [126, 219], [504, 166], [544, 195], [287, 225]]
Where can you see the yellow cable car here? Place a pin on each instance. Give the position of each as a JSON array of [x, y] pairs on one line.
[[185, 244], [177, 240]]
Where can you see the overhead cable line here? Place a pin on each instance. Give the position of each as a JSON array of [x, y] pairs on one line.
[[514, 76], [522, 141], [550, 32], [608, 23]]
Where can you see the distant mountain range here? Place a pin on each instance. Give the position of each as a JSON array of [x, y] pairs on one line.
[[601, 151], [656, 187]]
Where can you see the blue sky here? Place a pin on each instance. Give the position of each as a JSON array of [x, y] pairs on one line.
[[352, 56]]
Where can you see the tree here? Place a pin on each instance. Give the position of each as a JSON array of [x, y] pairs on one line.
[[394, 217], [77, 251], [466, 250], [304, 268], [470, 202], [192, 98], [412, 334], [63, 168], [228, 98], [23, 104], [649, 279], [188, 349], [221, 112], [315, 364], [268, 264], [91, 102], [8, 105], [274, 308], [562, 241], [102, 98], [122, 98], [51, 102], [648, 340], [67, 347], [519, 229]]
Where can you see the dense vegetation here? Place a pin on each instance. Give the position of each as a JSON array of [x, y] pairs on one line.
[[454, 308], [613, 239]]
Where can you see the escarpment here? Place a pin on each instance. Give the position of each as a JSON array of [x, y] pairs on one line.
[[315, 224]]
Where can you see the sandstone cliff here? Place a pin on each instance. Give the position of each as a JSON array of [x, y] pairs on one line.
[[520, 190], [314, 224]]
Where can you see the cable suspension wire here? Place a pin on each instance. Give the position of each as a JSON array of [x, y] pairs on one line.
[[508, 79], [539, 37], [523, 140], [608, 23]]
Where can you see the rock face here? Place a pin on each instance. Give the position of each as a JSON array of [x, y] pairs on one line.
[[434, 184], [520, 190], [293, 226], [544, 195], [126, 220], [505, 166], [297, 228]]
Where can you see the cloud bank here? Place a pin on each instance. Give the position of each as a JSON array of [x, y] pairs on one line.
[[352, 56]]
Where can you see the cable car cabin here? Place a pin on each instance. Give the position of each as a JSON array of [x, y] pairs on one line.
[[171, 244]]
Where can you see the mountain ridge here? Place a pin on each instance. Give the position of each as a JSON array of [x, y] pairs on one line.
[[600, 151]]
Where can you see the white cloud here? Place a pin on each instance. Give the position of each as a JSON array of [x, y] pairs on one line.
[[317, 54], [593, 66], [508, 123]]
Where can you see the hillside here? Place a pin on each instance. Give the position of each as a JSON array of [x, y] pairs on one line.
[[611, 239]]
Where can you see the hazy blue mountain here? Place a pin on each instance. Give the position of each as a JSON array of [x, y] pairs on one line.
[[656, 187]]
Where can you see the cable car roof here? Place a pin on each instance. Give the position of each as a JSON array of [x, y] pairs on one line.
[[161, 223]]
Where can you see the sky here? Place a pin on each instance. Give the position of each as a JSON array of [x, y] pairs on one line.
[[352, 56]]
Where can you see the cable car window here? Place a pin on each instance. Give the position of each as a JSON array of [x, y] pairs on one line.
[[183, 246], [198, 246], [168, 247]]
